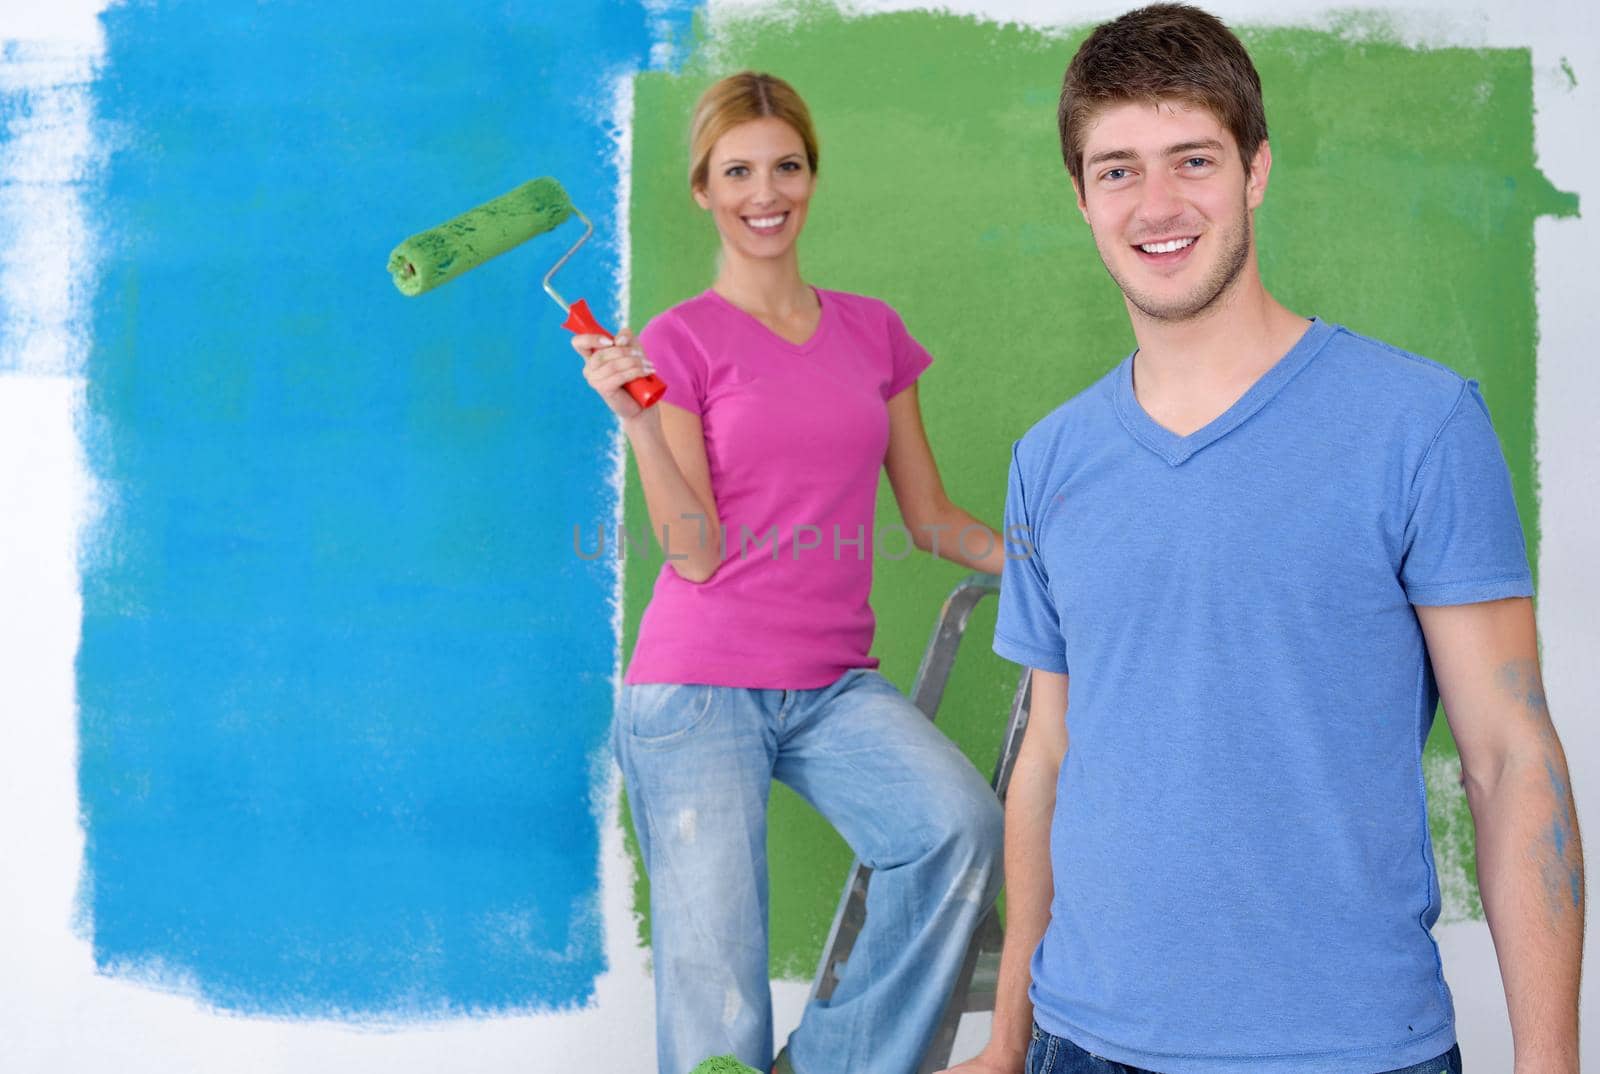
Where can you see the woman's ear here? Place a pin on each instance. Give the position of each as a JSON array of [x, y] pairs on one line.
[[700, 197]]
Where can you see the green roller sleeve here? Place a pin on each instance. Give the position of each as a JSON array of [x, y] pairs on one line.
[[722, 1064], [439, 255]]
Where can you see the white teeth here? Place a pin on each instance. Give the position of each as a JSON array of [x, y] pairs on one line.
[[766, 221], [1165, 247]]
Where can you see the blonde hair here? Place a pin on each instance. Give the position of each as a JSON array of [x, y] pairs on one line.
[[739, 99]]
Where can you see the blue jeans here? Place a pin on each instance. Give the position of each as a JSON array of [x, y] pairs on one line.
[[698, 763], [1056, 1055]]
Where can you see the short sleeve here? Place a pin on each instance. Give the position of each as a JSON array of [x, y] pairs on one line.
[[1463, 539], [679, 361], [1028, 628], [909, 357]]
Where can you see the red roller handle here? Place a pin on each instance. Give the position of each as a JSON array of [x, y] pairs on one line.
[[645, 390]]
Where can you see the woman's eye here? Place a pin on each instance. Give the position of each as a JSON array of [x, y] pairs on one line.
[[789, 166], [736, 172]]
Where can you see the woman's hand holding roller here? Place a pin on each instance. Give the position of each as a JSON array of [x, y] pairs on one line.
[[611, 362], [670, 453]]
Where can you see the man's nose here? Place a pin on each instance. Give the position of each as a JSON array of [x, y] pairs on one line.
[[1159, 197]]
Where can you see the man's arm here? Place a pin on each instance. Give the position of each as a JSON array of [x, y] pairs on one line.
[[1530, 863], [1030, 804]]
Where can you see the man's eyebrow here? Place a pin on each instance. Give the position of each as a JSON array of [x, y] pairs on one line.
[[1189, 147], [1111, 154], [1209, 144]]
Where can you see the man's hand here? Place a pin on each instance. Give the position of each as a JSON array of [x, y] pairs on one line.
[[1030, 806], [986, 1063]]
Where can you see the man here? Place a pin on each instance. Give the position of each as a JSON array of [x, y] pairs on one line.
[[1262, 548]]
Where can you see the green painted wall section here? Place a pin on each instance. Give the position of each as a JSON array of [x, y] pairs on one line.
[[1402, 204]]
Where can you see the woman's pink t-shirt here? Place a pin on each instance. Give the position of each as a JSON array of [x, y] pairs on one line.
[[795, 436]]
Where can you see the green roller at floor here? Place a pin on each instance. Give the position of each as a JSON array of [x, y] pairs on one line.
[[723, 1064]]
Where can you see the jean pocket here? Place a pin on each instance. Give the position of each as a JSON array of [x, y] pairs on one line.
[[659, 714], [1448, 1063], [1041, 1054]]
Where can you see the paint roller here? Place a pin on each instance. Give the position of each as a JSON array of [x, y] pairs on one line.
[[722, 1064], [438, 255]]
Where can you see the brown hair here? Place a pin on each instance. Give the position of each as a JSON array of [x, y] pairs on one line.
[[1156, 53], [738, 99]]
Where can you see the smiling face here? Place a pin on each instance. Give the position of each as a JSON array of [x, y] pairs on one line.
[[757, 188], [1169, 202]]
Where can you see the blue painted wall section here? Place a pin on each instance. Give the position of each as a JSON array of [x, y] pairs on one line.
[[343, 682]]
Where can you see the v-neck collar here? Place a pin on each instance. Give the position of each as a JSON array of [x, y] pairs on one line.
[[1176, 449], [824, 318]]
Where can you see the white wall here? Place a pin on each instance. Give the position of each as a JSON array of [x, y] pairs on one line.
[[56, 1014]]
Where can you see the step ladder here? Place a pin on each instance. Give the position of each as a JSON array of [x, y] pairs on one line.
[[974, 988]]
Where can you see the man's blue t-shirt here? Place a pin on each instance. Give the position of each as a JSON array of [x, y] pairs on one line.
[[1244, 879]]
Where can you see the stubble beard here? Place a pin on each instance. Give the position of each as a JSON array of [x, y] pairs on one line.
[[1235, 253]]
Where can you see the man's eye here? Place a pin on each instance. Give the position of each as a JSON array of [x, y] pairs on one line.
[[1115, 174], [1197, 162]]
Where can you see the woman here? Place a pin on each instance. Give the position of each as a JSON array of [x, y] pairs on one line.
[[760, 472]]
